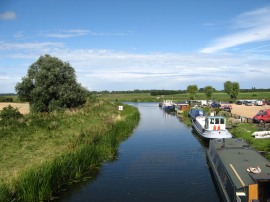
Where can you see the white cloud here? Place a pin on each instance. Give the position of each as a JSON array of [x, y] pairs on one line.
[[19, 34], [8, 15], [250, 27], [115, 70], [77, 33], [29, 45]]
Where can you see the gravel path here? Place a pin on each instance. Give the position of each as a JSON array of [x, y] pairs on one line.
[[247, 111]]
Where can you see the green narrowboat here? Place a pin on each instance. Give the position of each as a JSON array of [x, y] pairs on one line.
[[240, 171]]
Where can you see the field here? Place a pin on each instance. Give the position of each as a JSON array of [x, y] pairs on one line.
[[146, 97], [22, 107]]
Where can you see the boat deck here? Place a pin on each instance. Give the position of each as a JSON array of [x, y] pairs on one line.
[[237, 156]]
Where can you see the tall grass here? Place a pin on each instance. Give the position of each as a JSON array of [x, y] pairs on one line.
[[86, 147]]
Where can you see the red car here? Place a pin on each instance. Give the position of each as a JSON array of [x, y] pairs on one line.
[[262, 116]]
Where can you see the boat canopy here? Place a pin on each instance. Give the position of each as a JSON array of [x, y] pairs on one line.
[[196, 112]]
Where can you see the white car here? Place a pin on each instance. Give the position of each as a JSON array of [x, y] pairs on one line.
[[258, 103]]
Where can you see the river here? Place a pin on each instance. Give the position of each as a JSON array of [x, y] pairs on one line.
[[163, 160]]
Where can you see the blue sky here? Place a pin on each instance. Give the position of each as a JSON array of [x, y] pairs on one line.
[[142, 44]]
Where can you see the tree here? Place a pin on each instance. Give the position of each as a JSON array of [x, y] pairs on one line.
[[235, 90], [192, 90], [208, 90], [232, 89], [50, 85]]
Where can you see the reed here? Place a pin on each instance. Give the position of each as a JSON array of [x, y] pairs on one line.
[[92, 144]]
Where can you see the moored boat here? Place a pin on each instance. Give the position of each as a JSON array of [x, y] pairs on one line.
[[209, 127], [241, 173], [261, 134]]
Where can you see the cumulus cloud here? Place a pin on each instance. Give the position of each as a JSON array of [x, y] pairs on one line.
[[8, 15], [248, 27]]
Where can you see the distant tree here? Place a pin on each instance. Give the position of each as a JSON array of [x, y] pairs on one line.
[[192, 91], [208, 90], [232, 89], [235, 90], [50, 84]]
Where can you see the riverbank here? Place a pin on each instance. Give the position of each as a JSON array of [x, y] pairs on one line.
[[45, 151]]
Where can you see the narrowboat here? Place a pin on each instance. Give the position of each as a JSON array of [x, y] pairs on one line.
[[241, 173]]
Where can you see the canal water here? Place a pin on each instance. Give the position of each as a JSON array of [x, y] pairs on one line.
[[163, 160]]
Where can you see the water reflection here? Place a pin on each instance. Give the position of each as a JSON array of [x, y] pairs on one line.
[[161, 161]]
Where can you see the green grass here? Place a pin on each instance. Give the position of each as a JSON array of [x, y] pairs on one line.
[[49, 150], [146, 97], [245, 130]]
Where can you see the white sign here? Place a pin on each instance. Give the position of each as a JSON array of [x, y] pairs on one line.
[[120, 108]]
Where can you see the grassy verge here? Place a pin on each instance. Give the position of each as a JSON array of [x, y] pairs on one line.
[[245, 130], [45, 151]]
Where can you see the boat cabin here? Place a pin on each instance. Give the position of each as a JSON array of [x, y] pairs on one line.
[[215, 123]]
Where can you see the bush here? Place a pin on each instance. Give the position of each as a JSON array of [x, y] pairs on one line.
[[6, 99], [9, 116]]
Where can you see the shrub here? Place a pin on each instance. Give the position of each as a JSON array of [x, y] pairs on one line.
[[9, 115]]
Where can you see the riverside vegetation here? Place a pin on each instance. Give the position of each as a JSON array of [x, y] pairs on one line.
[[41, 152]]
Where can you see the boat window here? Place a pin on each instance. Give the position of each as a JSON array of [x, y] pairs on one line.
[[217, 121], [218, 140], [206, 124], [212, 121], [239, 140], [222, 121]]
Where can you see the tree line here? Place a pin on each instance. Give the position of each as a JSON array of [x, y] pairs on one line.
[[231, 88]]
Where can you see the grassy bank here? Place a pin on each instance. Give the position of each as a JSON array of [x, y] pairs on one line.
[[245, 130], [45, 151]]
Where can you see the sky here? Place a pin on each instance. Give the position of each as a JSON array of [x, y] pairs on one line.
[[120, 45]]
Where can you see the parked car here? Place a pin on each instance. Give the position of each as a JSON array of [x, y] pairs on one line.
[[248, 103], [267, 102], [215, 105], [227, 108], [238, 102], [258, 103], [262, 116]]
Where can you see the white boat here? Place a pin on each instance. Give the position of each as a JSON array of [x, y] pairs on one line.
[[167, 103], [261, 134], [211, 127]]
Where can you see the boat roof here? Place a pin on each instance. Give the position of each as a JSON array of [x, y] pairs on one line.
[[215, 117], [237, 155]]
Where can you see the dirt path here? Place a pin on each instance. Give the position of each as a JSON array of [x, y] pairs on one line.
[[247, 111], [22, 107]]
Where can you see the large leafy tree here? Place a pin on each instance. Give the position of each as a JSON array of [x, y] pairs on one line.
[[192, 90], [232, 89], [208, 90], [50, 84]]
